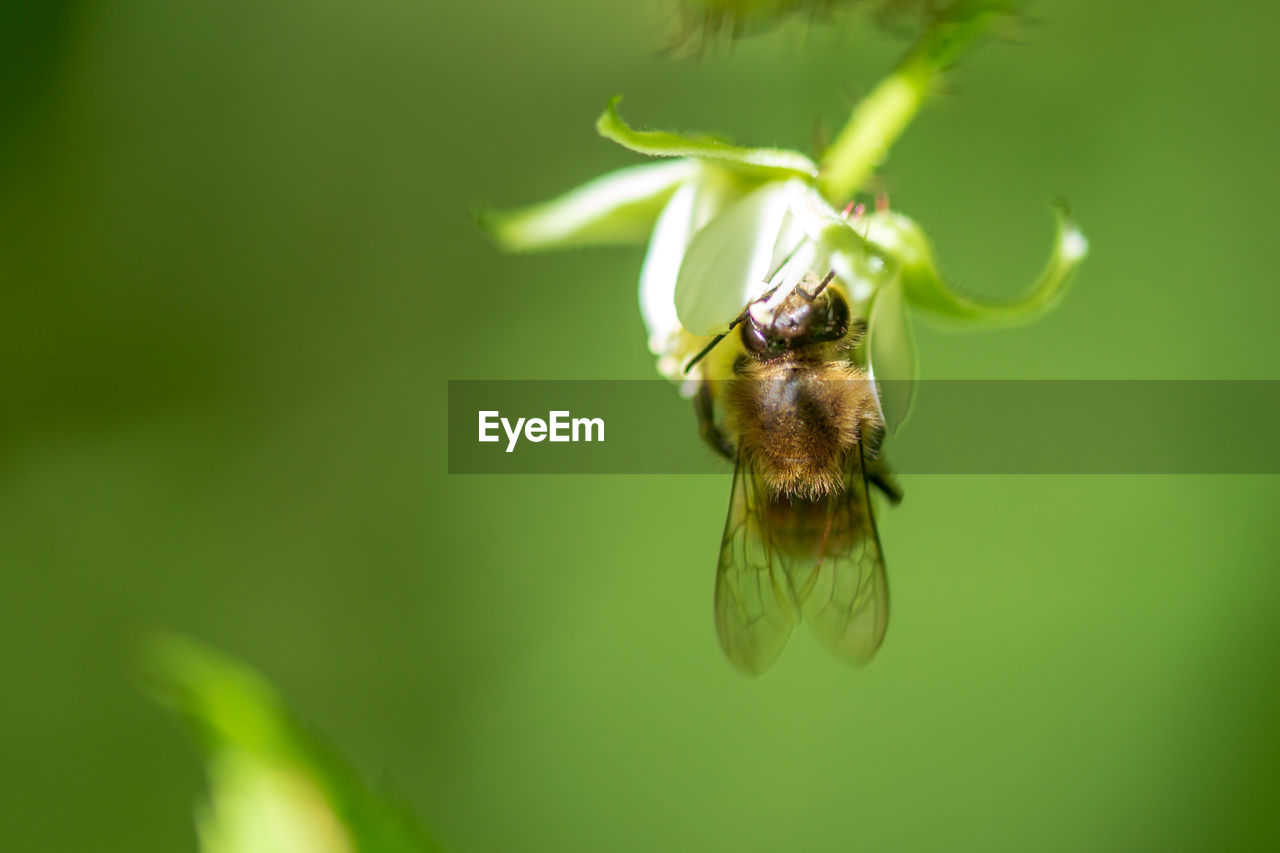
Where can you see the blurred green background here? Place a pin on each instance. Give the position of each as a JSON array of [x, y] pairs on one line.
[[236, 271]]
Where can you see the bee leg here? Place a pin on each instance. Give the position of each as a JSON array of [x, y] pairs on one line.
[[878, 475], [711, 434]]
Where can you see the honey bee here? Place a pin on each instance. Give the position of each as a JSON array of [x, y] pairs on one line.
[[800, 540]]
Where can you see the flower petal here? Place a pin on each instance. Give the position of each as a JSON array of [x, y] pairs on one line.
[[759, 162], [661, 266], [924, 287], [692, 206], [860, 267], [891, 353], [619, 207], [727, 263], [806, 237]]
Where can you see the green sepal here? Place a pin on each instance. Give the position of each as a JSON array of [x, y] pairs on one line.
[[903, 240], [620, 207], [755, 162]]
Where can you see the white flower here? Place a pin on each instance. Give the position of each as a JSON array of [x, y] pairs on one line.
[[700, 273], [727, 224]]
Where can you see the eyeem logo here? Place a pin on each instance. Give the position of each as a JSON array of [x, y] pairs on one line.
[[559, 426]]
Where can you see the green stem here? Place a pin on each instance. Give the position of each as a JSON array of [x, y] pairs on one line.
[[882, 115]]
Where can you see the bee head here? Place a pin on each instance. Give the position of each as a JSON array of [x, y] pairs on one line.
[[811, 313]]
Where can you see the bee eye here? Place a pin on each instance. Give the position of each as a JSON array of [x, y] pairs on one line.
[[754, 340], [836, 317]]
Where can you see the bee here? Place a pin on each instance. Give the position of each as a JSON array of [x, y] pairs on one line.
[[802, 423]]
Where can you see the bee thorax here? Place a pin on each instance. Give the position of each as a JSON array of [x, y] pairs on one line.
[[797, 422]]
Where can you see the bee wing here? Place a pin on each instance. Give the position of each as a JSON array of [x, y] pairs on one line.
[[754, 606], [843, 594]]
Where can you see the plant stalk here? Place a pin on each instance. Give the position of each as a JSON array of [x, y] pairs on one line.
[[882, 115]]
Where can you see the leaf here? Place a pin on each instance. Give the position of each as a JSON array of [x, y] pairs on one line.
[[619, 207], [924, 287], [274, 787], [758, 162]]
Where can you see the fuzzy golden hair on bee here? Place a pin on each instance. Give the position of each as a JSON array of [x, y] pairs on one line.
[[797, 419], [801, 419]]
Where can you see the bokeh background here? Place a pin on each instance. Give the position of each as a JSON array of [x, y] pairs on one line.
[[236, 271]]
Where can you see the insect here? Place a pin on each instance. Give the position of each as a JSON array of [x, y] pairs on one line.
[[800, 539]]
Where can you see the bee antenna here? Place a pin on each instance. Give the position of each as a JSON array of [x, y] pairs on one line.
[[782, 263], [717, 339], [823, 286], [708, 348]]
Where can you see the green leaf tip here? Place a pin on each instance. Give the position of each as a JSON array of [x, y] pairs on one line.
[[758, 162], [223, 700], [273, 784], [925, 288]]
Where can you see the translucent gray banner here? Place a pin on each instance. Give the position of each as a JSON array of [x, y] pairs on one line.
[[955, 427]]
